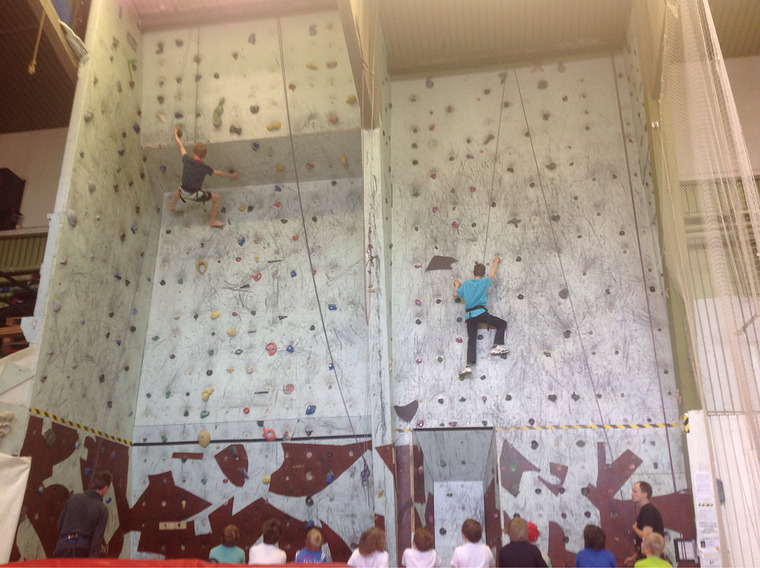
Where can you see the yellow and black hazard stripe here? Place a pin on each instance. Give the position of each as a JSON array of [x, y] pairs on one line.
[[555, 427], [89, 429]]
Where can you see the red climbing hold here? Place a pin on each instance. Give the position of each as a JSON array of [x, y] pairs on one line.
[[257, 277], [277, 203], [246, 410], [271, 348], [309, 166]]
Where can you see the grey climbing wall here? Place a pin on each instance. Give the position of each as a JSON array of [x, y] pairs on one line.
[[538, 165], [103, 230]]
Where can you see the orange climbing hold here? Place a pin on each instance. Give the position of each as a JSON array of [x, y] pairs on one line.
[[269, 434], [271, 348]]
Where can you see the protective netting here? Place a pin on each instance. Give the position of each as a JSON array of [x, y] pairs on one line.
[[711, 221]]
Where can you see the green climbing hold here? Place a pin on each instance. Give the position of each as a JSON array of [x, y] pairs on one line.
[[164, 438], [210, 351], [414, 144], [204, 413], [513, 467], [203, 480], [181, 281], [155, 338], [440, 359], [462, 399], [168, 394], [218, 113]]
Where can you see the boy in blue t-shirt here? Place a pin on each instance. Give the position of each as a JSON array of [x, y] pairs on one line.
[[474, 293]]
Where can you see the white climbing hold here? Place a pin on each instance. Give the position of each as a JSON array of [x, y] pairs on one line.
[[72, 217], [56, 306], [91, 186]]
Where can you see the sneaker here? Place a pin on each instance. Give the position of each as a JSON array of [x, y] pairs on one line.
[[466, 371], [499, 350]]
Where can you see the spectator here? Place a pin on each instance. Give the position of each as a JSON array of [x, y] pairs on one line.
[[473, 553], [422, 555], [594, 555], [652, 546], [519, 552], [267, 552], [371, 551], [228, 552], [312, 553]]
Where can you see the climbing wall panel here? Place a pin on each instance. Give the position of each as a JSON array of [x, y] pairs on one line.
[[235, 310], [225, 82], [537, 165], [102, 233], [246, 483]]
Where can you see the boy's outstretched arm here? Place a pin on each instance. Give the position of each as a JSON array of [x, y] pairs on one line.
[[179, 142], [233, 175], [496, 261]]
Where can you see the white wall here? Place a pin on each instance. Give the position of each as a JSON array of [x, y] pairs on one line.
[[744, 75], [36, 157]]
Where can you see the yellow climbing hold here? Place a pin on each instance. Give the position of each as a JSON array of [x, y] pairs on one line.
[[280, 167], [351, 100], [176, 317], [274, 126], [206, 393], [201, 266], [311, 66], [266, 479], [215, 315], [232, 332], [204, 438], [230, 370], [344, 161], [241, 208]]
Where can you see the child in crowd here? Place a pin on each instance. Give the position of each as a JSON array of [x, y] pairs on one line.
[[520, 552], [533, 535], [228, 552], [371, 551], [312, 553], [473, 553], [267, 552], [652, 546], [474, 293], [595, 555], [422, 555], [194, 171]]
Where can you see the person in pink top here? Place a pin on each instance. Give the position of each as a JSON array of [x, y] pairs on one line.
[[473, 553], [371, 551], [422, 555]]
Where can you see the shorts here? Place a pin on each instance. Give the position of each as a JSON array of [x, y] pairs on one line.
[[197, 195]]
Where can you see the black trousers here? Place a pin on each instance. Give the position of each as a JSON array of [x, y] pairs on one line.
[[472, 333]]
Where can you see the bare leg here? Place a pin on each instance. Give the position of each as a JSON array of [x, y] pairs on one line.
[[173, 200], [214, 222]]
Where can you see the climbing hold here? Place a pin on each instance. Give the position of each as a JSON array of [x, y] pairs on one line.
[[270, 434], [72, 217], [88, 116], [287, 435], [232, 332], [288, 389], [206, 393], [133, 228], [266, 479], [294, 237], [313, 29], [418, 302], [351, 99], [205, 413], [235, 130], [309, 166], [429, 83], [252, 39], [274, 126], [331, 64], [472, 189], [332, 118], [330, 477], [241, 241], [344, 161], [418, 360], [218, 113], [331, 366], [201, 266], [292, 86], [136, 128], [249, 370], [311, 409], [420, 423], [455, 224], [311, 66], [215, 315], [293, 274], [254, 109], [280, 167], [257, 277], [56, 306], [271, 348], [289, 349], [332, 307], [204, 438], [484, 398]]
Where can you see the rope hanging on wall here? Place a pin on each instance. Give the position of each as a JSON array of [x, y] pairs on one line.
[[33, 65]]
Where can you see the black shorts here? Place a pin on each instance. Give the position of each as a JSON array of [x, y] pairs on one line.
[[198, 195]]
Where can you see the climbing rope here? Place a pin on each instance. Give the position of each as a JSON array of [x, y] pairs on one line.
[[308, 249]]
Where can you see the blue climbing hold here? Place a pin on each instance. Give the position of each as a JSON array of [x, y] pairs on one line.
[[108, 499], [241, 241], [311, 409], [289, 349], [309, 524], [293, 274], [330, 477], [118, 342], [256, 146], [133, 228], [331, 366], [277, 188], [87, 471], [117, 276], [134, 311], [332, 307]]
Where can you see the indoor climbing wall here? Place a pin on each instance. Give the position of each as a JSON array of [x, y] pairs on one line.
[[225, 84], [537, 165], [93, 308]]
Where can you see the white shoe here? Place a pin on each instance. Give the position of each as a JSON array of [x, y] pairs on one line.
[[499, 350], [466, 371]]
